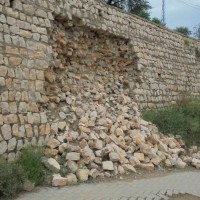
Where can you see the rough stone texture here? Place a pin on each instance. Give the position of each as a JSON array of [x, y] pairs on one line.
[[82, 174], [90, 52], [59, 181], [71, 179], [53, 165]]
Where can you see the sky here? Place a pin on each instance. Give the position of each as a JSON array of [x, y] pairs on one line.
[[178, 12]]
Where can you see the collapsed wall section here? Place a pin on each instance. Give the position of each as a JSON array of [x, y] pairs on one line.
[[91, 69]]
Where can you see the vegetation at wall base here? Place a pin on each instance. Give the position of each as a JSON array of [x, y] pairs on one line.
[[31, 161], [11, 178], [29, 166], [181, 119]]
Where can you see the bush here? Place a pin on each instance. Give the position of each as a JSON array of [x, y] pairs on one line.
[[31, 161], [182, 119], [11, 178]]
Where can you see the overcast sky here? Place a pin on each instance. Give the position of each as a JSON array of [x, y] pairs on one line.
[[178, 12]]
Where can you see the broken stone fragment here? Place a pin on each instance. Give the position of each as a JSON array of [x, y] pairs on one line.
[[71, 179], [59, 181], [53, 143], [52, 164], [108, 165], [114, 156], [28, 186], [73, 156], [82, 174], [196, 163]]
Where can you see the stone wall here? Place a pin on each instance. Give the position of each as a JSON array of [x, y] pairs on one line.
[[49, 48]]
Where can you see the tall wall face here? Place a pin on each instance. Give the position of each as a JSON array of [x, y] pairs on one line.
[[42, 41]]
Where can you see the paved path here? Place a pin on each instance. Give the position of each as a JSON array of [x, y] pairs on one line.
[[144, 189]]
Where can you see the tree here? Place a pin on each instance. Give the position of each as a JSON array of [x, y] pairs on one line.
[[183, 30], [197, 32], [138, 7]]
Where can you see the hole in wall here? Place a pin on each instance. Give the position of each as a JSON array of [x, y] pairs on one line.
[[11, 3]]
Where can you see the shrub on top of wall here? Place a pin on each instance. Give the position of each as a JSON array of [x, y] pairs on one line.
[[187, 42]]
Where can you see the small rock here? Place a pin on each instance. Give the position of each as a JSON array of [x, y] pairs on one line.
[[129, 168], [71, 179], [180, 164], [53, 143], [73, 156], [52, 164], [94, 173], [157, 160], [28, 186], [59, 181], [196, 163], [108, 165], [148, 166], [114, 156], [121, 170], [139, 156], [73, 167], [82, 174]]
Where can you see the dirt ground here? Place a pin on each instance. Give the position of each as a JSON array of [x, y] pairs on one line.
[[185, 197]]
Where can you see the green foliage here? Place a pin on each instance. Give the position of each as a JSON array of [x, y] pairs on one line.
[[100, 13], [132, 6], [143, 14], [11, 178], [182, 119], [31, 162], [184, 30], [197, 53], [157, 21], [187, 42]]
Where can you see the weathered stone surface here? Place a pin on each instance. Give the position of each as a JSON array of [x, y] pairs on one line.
[[53, 143], [71, 179], [52, 164], [139, 156], [12, 144], [73, 167], [156, 160], [73, 156], [59, 181], [87, 154], [6, 131], [3, 147], [28, 186], [114, 156], [196, 163], [148, 167], [108, 165], [82, 174]]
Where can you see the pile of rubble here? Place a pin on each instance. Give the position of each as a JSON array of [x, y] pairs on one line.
[[107, 147], [97, 128]]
